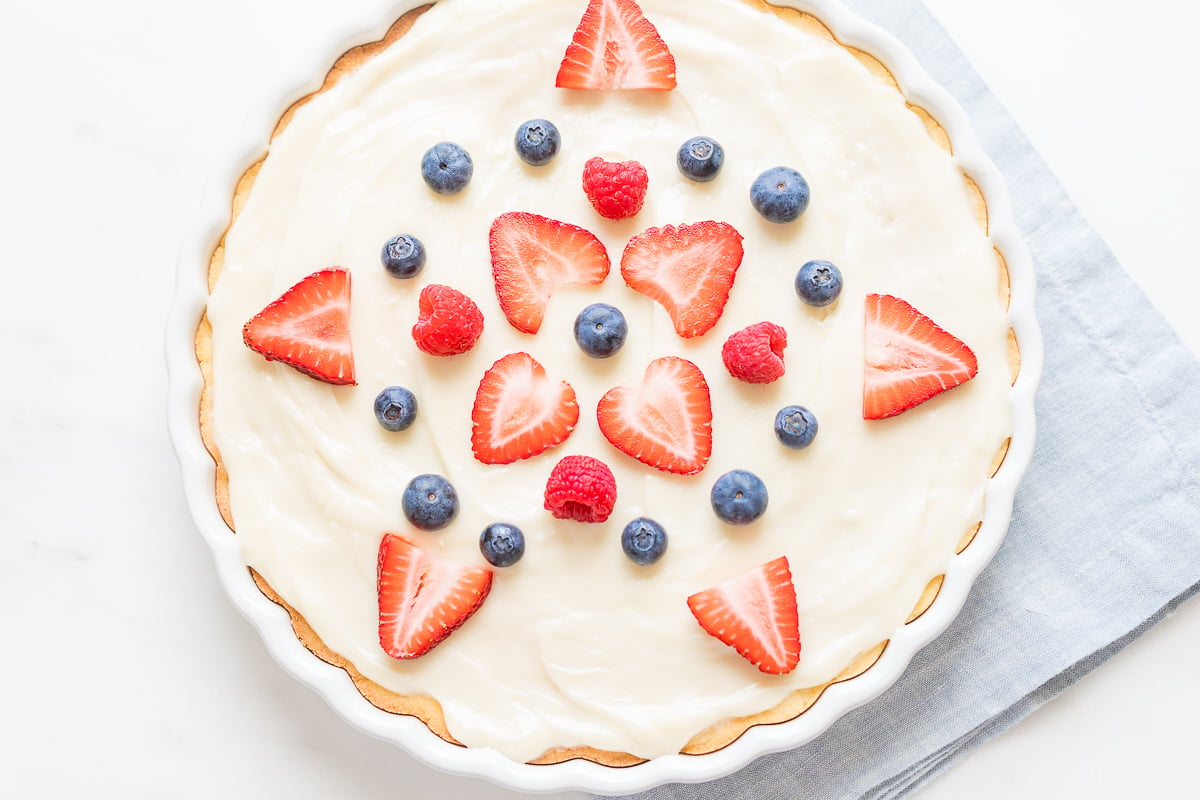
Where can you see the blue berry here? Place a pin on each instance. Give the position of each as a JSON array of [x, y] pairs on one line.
[[780, 194], [819, 283], [739, 497], [537, 142], [502, 544], [795, 426], [644, 541], [430, 502], [403, 256], [395, 408], [700, 158], [600, 330], [447, 168]]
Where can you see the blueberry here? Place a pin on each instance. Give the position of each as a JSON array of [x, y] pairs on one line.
[[395, 408], [644, 541], [600, 330], [430, 502], [795, 426], [700, 158], [502, 544], [819, 283], [447, 168], [780, 194], [537, 142], [403, 256], [739, 497]]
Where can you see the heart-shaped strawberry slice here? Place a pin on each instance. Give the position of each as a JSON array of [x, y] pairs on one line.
[[665, 421], [687, 269], [520, 411], [532, 256]]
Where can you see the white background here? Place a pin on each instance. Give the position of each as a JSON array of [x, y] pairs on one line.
[[124, 671]]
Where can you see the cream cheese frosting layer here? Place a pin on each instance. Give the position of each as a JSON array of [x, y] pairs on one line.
[[576, 645]]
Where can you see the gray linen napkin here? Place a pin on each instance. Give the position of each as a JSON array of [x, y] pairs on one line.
[[1105, 537]]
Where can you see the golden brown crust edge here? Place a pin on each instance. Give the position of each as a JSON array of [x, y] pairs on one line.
[[427, 709]]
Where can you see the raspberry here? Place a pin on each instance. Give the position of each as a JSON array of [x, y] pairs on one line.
[[581, 488], [449, 322], [616, 189], [755, 354]]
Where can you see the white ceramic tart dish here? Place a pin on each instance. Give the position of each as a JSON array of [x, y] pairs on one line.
[[582, 670]]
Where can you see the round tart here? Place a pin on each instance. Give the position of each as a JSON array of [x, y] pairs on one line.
[[577, 650]]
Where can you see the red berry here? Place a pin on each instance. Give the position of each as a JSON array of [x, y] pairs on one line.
[[687, 269], [616, 47], [449, 322], [665, 421], [520, 411], [308, 328], [423, 597], [756, 614], [581, 488], [616, 189], [908, 358], [755, 354], [532, 256]]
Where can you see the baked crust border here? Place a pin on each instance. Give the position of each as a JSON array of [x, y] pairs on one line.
[[427, 709]]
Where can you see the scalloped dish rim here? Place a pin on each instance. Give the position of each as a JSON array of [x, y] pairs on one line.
[[334, 685]]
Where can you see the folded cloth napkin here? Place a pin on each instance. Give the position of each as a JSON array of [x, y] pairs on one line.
[[1105, 536]]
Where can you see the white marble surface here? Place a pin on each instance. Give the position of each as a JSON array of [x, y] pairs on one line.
[[128, 673]]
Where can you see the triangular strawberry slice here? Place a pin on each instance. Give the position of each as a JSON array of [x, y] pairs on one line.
[[532, 255], [688, 269], [308, 328], [665, 421], [423, 597], [519, 412], [755, 613], [616, 47], [908, 358]]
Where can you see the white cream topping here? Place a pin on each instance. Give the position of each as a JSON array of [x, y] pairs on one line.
[[576, 645]]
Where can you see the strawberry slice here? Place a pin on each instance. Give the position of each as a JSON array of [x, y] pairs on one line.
[[520, 412], [308, 328], [616, 47], [908, 358], [665, 421], [687, 269], [532, 255], [423, 597], [755, 613]]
